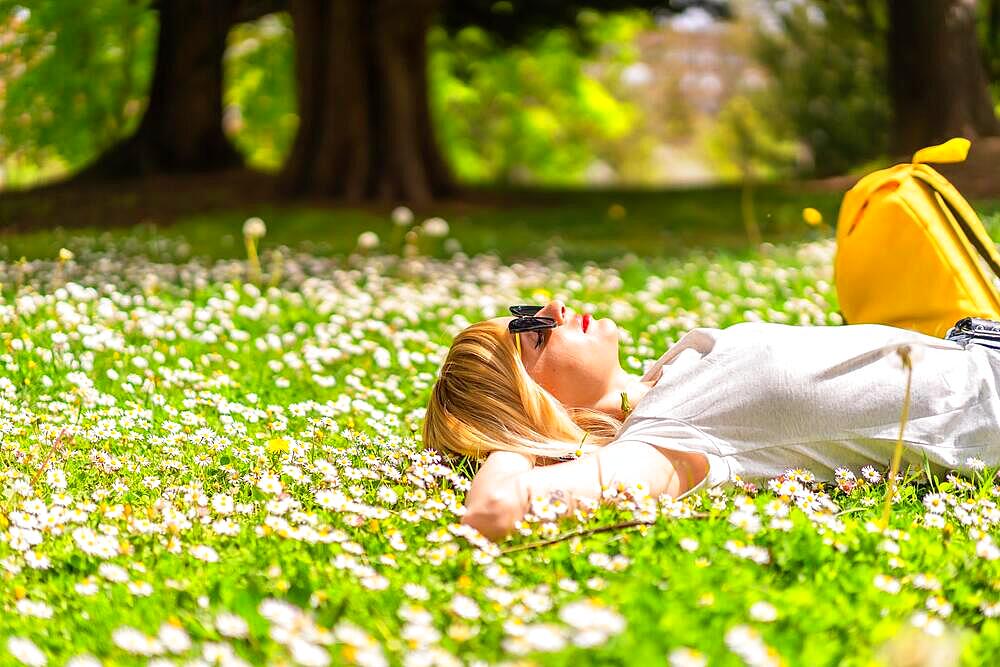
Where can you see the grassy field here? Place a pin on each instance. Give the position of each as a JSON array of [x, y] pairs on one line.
[[587, 225], [195, 469], [584, 225]]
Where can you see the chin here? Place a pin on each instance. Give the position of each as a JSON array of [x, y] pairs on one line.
[[607, 325]]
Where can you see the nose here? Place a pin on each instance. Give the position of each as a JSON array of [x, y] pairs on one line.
[[556, 310]]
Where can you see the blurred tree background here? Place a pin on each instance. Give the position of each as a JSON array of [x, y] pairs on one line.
[[487, 92], [828, 92]]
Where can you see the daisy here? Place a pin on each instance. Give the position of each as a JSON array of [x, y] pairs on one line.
[[231, 625], [27, 607], [871, 474], [86, 587], [465, 607], [173, 638], [886, 584], [935, 502], [763, 611], [25, 652], [37, 562], [686, 657], [204, 553]]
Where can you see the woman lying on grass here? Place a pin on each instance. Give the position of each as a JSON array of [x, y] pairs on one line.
[[753, 400]]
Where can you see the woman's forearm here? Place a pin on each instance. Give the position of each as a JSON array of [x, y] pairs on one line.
[[497, 508], [629, 463]]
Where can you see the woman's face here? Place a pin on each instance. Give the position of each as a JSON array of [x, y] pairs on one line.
[[577, 361]]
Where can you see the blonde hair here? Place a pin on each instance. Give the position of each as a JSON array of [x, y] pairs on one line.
[[485, 401]]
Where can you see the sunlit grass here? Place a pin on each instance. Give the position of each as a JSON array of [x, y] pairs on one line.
[[586, 225], [192, 466]]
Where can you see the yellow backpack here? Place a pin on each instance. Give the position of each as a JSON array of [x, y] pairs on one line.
[[911, 252]]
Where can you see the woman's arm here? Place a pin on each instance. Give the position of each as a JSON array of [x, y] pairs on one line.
[[493, 494], [496, 469], [624, 461]]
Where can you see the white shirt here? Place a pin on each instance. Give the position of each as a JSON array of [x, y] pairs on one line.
[[758, 399]]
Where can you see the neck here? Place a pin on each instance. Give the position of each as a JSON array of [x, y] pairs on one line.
[[630, 385]]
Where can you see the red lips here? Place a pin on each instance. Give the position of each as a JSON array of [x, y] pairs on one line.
[[586, 322]]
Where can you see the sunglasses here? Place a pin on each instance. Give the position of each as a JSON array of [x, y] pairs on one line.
[[525, 320]]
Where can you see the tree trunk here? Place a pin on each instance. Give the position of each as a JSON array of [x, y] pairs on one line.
[[992, 46], [937, 82], [181, 128], [365, 129]]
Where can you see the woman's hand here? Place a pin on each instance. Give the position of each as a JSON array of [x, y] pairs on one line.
[[495, 512], [498, 497]]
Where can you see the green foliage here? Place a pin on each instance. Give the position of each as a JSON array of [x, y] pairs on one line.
[[531, 112], [534, 112], [828, 66], [743, 144], [54, 120], [260, 95], [74, 80], [512, 21]]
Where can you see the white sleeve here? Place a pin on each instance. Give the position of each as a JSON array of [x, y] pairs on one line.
[[678, 436]]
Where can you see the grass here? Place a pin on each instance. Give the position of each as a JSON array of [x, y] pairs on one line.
[[191, 466], [587, 225]]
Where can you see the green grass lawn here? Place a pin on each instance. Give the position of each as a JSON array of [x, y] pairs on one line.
[[196, 468], [587, 225]]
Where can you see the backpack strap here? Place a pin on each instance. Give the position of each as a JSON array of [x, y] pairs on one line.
[[962, 215]]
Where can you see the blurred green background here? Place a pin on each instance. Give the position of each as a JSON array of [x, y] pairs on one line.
[[699, 122]]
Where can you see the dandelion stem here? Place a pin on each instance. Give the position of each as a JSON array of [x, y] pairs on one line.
[[48, 455], [890, 486], [576, 533], [254, 262], [585, 531], [34, 479]]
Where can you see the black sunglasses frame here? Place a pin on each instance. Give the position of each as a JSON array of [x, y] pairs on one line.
[[525, 320]]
